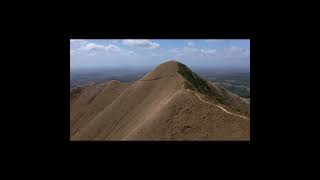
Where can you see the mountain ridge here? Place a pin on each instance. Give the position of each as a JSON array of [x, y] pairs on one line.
[[150, 109]]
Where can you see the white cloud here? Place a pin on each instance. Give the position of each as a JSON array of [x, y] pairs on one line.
[[184, 50], [114, 41], [208, 51], [112, 48], [92, 48], [143, 43], [236, 51], [230, 52], [192, 50], [190, 43]]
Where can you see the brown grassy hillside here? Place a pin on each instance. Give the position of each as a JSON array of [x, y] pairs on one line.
[[86, 102], [158, 107]]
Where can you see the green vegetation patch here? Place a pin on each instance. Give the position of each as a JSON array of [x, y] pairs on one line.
[[198, 83]]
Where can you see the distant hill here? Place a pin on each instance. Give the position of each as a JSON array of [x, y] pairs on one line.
[[169, 103]]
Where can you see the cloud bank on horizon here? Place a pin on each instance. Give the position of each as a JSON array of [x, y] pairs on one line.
[[215, 53]]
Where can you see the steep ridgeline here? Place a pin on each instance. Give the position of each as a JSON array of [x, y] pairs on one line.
[[201, 85], [214, 92]]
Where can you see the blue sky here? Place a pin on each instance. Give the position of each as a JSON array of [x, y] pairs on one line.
[[209, 53]]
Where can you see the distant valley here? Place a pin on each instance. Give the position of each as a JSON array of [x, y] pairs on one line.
[[236, 81]]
